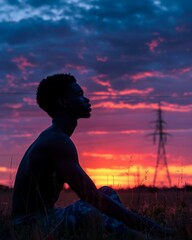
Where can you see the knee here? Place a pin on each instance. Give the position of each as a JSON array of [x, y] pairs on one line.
[[110, 193], [107, 190]]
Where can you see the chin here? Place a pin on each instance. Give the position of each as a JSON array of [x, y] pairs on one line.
[[87, 115]]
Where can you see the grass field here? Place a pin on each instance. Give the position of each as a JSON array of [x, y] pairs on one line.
[[169, 207]]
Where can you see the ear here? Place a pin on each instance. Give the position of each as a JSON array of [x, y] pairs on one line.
[[62, 102]]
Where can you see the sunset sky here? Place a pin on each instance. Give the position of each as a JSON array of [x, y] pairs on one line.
[[128, 56]]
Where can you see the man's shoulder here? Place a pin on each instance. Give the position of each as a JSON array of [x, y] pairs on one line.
[[54, 140]]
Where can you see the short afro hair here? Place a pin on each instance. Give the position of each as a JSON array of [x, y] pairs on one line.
[[50, 89]]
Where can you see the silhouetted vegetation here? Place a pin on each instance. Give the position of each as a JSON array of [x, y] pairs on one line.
[[169, 206]]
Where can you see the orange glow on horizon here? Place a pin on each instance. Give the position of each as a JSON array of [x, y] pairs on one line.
[[139, 175], [132, 176]]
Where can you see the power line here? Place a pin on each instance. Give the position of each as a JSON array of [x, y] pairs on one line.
[[106, 95]]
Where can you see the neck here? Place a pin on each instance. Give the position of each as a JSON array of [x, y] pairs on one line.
[[64, 123]]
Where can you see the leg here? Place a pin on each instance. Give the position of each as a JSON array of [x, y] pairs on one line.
[[153, 227], [83, 221], [110, 193], [115, 226], [112, 229]]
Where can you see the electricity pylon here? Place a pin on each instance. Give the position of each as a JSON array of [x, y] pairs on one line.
[[162, 138]]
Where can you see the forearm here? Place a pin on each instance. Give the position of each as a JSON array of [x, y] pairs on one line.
[[130, 218], [88, 192]]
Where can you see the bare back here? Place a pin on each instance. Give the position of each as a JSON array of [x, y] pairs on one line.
[[38, 183]]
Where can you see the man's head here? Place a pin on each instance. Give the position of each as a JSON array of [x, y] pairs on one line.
[[60, 92]]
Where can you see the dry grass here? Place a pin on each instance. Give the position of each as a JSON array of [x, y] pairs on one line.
[[172, 207]]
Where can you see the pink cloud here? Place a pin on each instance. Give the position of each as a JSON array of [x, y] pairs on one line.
[[102, 59], [135, 91], [152, 45], [175, 95], [176, 107], [106, 93], [122, 105], [115, 132], [81, 52], [23, 64], [31, 84], [98, 132], [10, 78], [114, 93], [132, 131], [29, 101], [23, 135], [142, 75], [155, 43], [187, 93], [182, 28], [80, 68], [182, 70], [99, 79], [14, 105]]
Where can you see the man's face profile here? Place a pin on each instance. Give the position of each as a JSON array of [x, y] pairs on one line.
[[76, 104]]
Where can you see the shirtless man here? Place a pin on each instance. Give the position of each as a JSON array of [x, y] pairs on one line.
[[52, 160]]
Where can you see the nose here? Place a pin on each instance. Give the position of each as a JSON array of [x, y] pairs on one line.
[[86, 99]]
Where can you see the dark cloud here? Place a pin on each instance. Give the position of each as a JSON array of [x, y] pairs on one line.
[[32, 30], [13, 2], [122, 40], [36, 3]]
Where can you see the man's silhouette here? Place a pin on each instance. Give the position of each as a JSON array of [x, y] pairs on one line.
[[52, 160]]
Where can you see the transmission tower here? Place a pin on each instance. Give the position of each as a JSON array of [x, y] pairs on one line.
[[162, 140]]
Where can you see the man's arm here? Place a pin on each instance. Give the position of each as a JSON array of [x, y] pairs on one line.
[[80, 183], [68, 167]]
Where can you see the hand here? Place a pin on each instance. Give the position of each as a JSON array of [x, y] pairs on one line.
[[168, 231]]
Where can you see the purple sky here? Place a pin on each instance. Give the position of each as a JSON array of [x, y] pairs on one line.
[[127, 55]]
